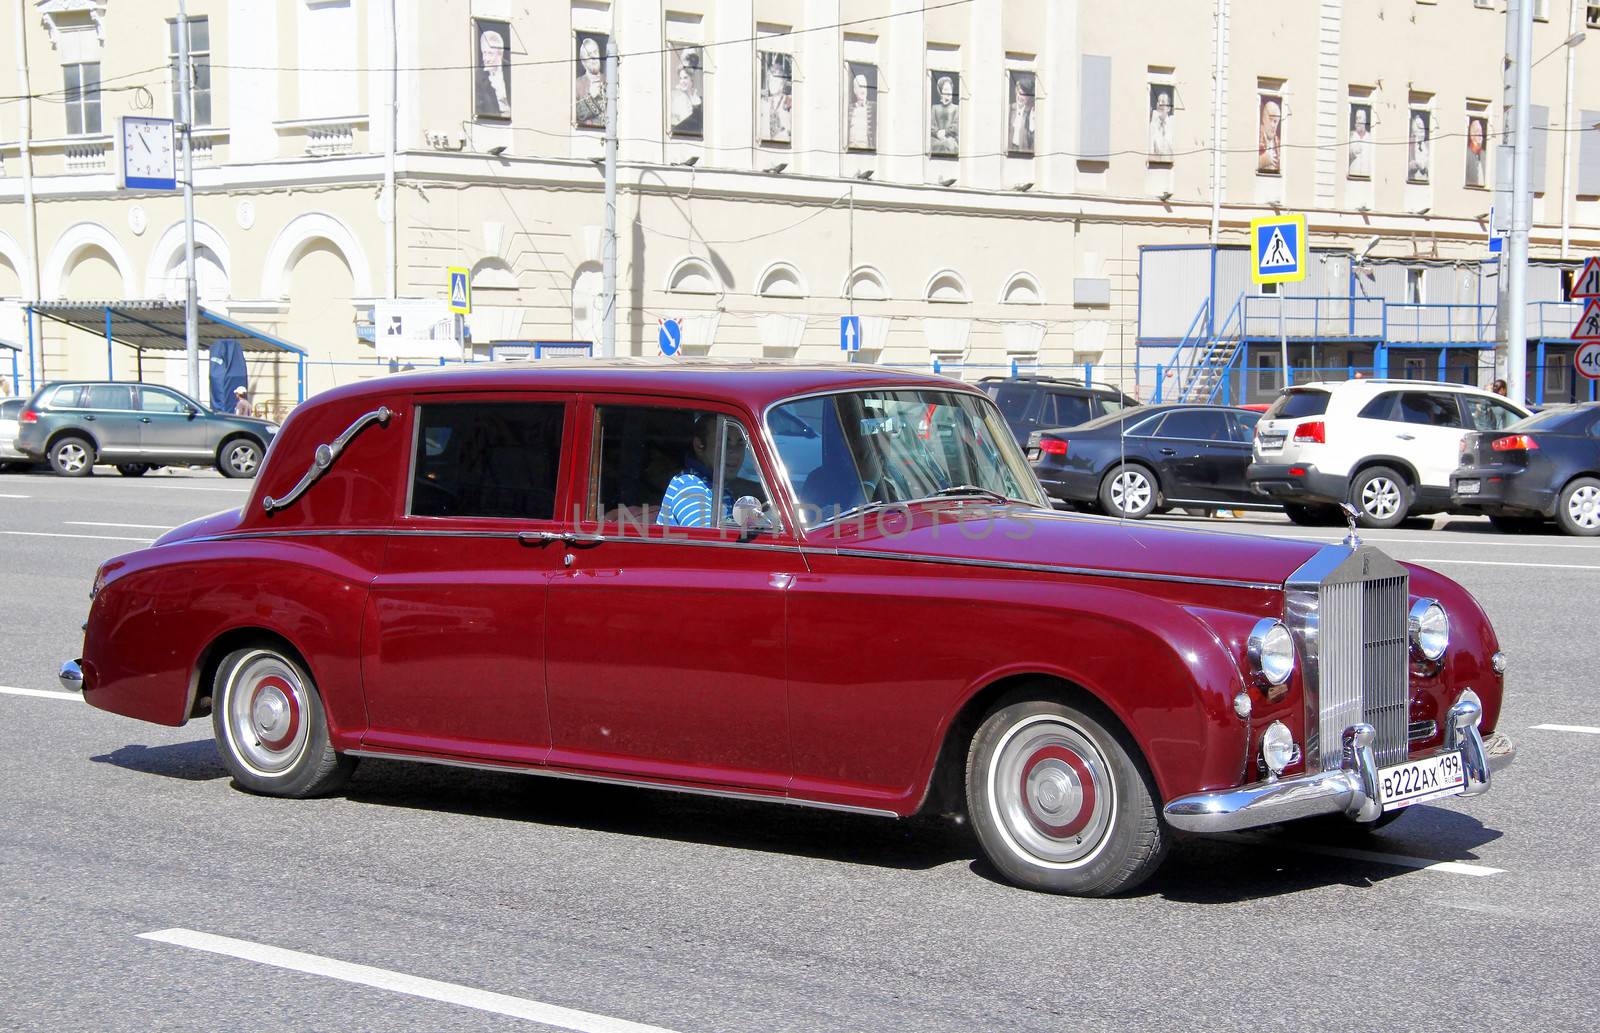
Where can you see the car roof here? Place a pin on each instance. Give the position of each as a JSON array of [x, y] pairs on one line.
[[755, 383]]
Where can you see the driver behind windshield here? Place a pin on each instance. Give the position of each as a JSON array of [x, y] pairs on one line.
[[687, 502]]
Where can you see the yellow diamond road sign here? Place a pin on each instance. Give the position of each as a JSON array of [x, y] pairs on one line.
[[1278, 249], [460, 290]]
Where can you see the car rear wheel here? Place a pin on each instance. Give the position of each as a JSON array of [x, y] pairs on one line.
[[1579, 510], [1312, 515], [271, 728], [1061, 801], [1381, 496], [133, 469], [239, 457], [72, 457], [1129, 491], [1516, 524]]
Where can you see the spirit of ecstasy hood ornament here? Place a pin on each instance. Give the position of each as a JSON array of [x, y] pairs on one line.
[[1352, 540]]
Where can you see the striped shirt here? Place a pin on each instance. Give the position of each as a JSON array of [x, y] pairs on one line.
[[687, 502]]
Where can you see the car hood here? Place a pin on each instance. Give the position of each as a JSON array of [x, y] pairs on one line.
[[1031, 537]]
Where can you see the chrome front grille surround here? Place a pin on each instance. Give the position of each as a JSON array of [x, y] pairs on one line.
[[1347, 609]]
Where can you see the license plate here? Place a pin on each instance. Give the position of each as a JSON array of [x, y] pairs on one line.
[[1272, 442], [1033, 455], [1419, 780], [1466, 487]]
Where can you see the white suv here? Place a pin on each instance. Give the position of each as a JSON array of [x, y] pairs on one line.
[[1387, 447]]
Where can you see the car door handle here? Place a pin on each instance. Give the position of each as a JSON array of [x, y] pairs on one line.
[[89, 418], [573, 538], [538, 537], [144, 419], [1168, 451], [1406, 437]]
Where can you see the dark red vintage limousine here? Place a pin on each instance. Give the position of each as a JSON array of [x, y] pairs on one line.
[[832, 586]]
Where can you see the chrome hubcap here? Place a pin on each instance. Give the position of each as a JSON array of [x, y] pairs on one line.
[[1130, 491], [1381, 498], [1584, 507], [1051, 791], [266, 715], [72, 457], [242, 458]]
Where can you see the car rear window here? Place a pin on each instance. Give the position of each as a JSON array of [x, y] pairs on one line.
[[1562, 420], [1295, 405], [10, 408], [477, 459]]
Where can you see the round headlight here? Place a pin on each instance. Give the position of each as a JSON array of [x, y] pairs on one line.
[[1271, 651], [1278, 749], [1430, 629]]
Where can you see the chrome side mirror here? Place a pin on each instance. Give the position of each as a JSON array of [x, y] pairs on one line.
[[750, 514]]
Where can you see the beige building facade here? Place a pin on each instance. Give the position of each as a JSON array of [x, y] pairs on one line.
[[975, 180]]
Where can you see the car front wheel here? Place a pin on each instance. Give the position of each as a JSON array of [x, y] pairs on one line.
[[72, 457], [240, 457], [1129, 491], [1061, 802], [1381, 496], [1579, 509], [133, 469], [271, 728]]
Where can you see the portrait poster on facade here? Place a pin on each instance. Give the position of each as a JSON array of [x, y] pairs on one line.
[[685, 85], [1269, 135], [1418, 157], [1359, 163], [944, 114], [589, 91], [1477, 152], [861, 106], [775, 97], [1020, 112], [491, 69], [1161, 123]]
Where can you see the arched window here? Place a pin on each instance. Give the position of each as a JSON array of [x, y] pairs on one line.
[[781, 280], [947, 287], [493, 274], [1022, 289], [693, 276], [866, 284]]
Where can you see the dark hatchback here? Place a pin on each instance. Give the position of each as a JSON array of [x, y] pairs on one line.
[[1547, 465], [1031, 403], [1143, 460]]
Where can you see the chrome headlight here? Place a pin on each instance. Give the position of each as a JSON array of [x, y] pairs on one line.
[[1271, 651], [1430, 629], [1278, 748]]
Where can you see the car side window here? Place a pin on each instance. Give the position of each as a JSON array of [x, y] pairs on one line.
[[1244, 425], [1434, 410], [487, 459], [1195, 425], [658, 467], [1381, 407], [1488, 414], [1070, 410], [108, 397], [152, 400], [64, 397], [10, 409]]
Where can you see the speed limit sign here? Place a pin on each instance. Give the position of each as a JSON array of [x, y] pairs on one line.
[[1588, 360]]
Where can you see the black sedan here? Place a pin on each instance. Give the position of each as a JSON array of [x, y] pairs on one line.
[[1139, 461], [1547, 465]]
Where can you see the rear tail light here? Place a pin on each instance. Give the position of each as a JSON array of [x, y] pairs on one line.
[[1514, 443], [1297, 471], [1053, 446], [28, 416], [1315, 431]]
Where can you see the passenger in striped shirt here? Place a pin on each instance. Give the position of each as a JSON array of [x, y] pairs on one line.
[[687, 502]]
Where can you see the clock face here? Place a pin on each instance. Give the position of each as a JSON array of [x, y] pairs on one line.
[[147, 151]]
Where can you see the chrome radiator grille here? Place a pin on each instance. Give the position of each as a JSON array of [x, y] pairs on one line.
[[1348, 609]]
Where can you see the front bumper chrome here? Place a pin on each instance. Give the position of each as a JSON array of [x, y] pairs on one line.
[[1351, 789]]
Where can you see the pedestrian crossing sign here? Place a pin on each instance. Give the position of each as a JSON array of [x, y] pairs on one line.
[[460, 290], [1588, 328], [1278, 249], [1587, 283]]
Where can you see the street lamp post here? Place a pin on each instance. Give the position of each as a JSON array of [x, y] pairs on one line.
[[191, 326]]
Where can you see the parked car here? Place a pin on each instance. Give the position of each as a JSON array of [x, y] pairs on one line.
[[136, 427], [1545, 466], [10, 458], [1138, 461], [1032, 403], [1387, 447], [619, 572]]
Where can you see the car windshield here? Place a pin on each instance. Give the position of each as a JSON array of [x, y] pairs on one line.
[[856, 449]]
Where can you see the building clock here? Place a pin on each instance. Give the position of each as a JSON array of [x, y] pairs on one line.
[[149, 159]]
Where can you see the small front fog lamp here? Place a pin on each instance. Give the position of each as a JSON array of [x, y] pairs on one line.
[[1271, 651], [1430, 629], [1468, 696], [1278, 749]]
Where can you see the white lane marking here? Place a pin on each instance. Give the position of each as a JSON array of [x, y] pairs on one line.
[[15, 496], [1582, 729], [91, 537], [95, 523], [11, 690], [399, 982], [1423, 864], [1501, 563]]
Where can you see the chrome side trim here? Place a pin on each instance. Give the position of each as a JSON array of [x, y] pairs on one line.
[[325, 456], [531, 537], [1044, 568], [573, 776]]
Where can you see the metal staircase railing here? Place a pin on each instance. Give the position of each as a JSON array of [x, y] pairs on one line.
[[1200, 379]]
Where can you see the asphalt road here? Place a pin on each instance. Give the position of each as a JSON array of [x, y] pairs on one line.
[[441, 899]]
